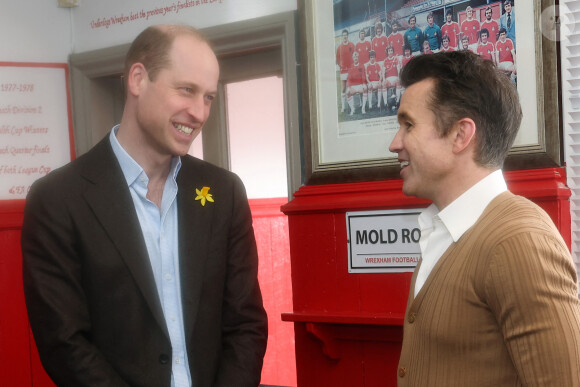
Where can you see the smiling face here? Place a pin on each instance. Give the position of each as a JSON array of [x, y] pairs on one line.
[[172, 109], [425, 157], [484, 37], [465, 43]]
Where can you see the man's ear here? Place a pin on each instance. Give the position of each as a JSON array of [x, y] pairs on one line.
[[464, 135], [137, 76]]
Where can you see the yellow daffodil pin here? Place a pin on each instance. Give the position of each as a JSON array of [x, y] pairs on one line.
[[203, 195]]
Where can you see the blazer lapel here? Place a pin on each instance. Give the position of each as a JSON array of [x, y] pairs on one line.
[[112, 204], [195, 230]]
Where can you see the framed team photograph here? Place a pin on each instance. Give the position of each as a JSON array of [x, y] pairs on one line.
[[353, 51]]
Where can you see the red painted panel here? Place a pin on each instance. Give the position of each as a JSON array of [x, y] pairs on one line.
[[314, 281], [14, 342], [271, 229]]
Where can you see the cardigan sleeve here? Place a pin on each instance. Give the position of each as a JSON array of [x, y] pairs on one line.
[[531, 289]]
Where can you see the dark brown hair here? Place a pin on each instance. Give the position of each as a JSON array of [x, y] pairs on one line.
[[468, 86]]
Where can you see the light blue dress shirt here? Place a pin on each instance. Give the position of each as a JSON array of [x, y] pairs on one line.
[[159, 227]]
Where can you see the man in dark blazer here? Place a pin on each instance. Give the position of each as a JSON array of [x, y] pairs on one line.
[[140, 263]]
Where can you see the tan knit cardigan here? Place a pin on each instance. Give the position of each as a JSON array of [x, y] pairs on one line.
[[500, 308]]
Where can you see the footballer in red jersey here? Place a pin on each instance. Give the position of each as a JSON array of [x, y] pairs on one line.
[[470, 26], [356, 83], [374, 79], [465, 43], [363, 47], [505, 54], [451, 29], [445, 47], [344, 53], [485, 48], [406, 56], [396, 39], [491, 26], [391, 69], [380, 42]]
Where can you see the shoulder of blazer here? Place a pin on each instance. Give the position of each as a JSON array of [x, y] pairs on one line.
[[98, 161]]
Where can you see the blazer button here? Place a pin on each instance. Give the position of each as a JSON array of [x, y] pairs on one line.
[[412, 317], [402, 372], [163, 358]]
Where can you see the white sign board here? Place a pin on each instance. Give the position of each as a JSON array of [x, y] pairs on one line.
[[35, 129], [385, 241]]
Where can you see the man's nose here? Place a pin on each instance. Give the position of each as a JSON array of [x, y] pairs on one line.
[[396, 144], [197, 108]]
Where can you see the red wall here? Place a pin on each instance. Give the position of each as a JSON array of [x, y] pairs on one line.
[[271, 229], [19, 362]]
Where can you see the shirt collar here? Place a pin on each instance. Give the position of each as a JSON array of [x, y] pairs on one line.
[[463, 212], [131, 169]]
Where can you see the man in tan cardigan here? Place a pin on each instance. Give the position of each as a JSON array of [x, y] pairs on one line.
[[494, 300]]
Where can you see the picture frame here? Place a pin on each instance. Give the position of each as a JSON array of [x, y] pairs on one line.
[[337, 150]]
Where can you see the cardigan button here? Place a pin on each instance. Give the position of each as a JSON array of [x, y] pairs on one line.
[[163, 358], [412, 317], [402, 372]]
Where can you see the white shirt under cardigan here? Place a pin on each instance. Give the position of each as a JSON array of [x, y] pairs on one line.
[[439, 229]]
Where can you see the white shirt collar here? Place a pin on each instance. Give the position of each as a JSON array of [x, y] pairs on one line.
[[463, 212]]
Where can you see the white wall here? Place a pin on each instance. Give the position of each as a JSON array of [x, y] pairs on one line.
[[39, 31], [106, 23], [34, 31], [257, 145]]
